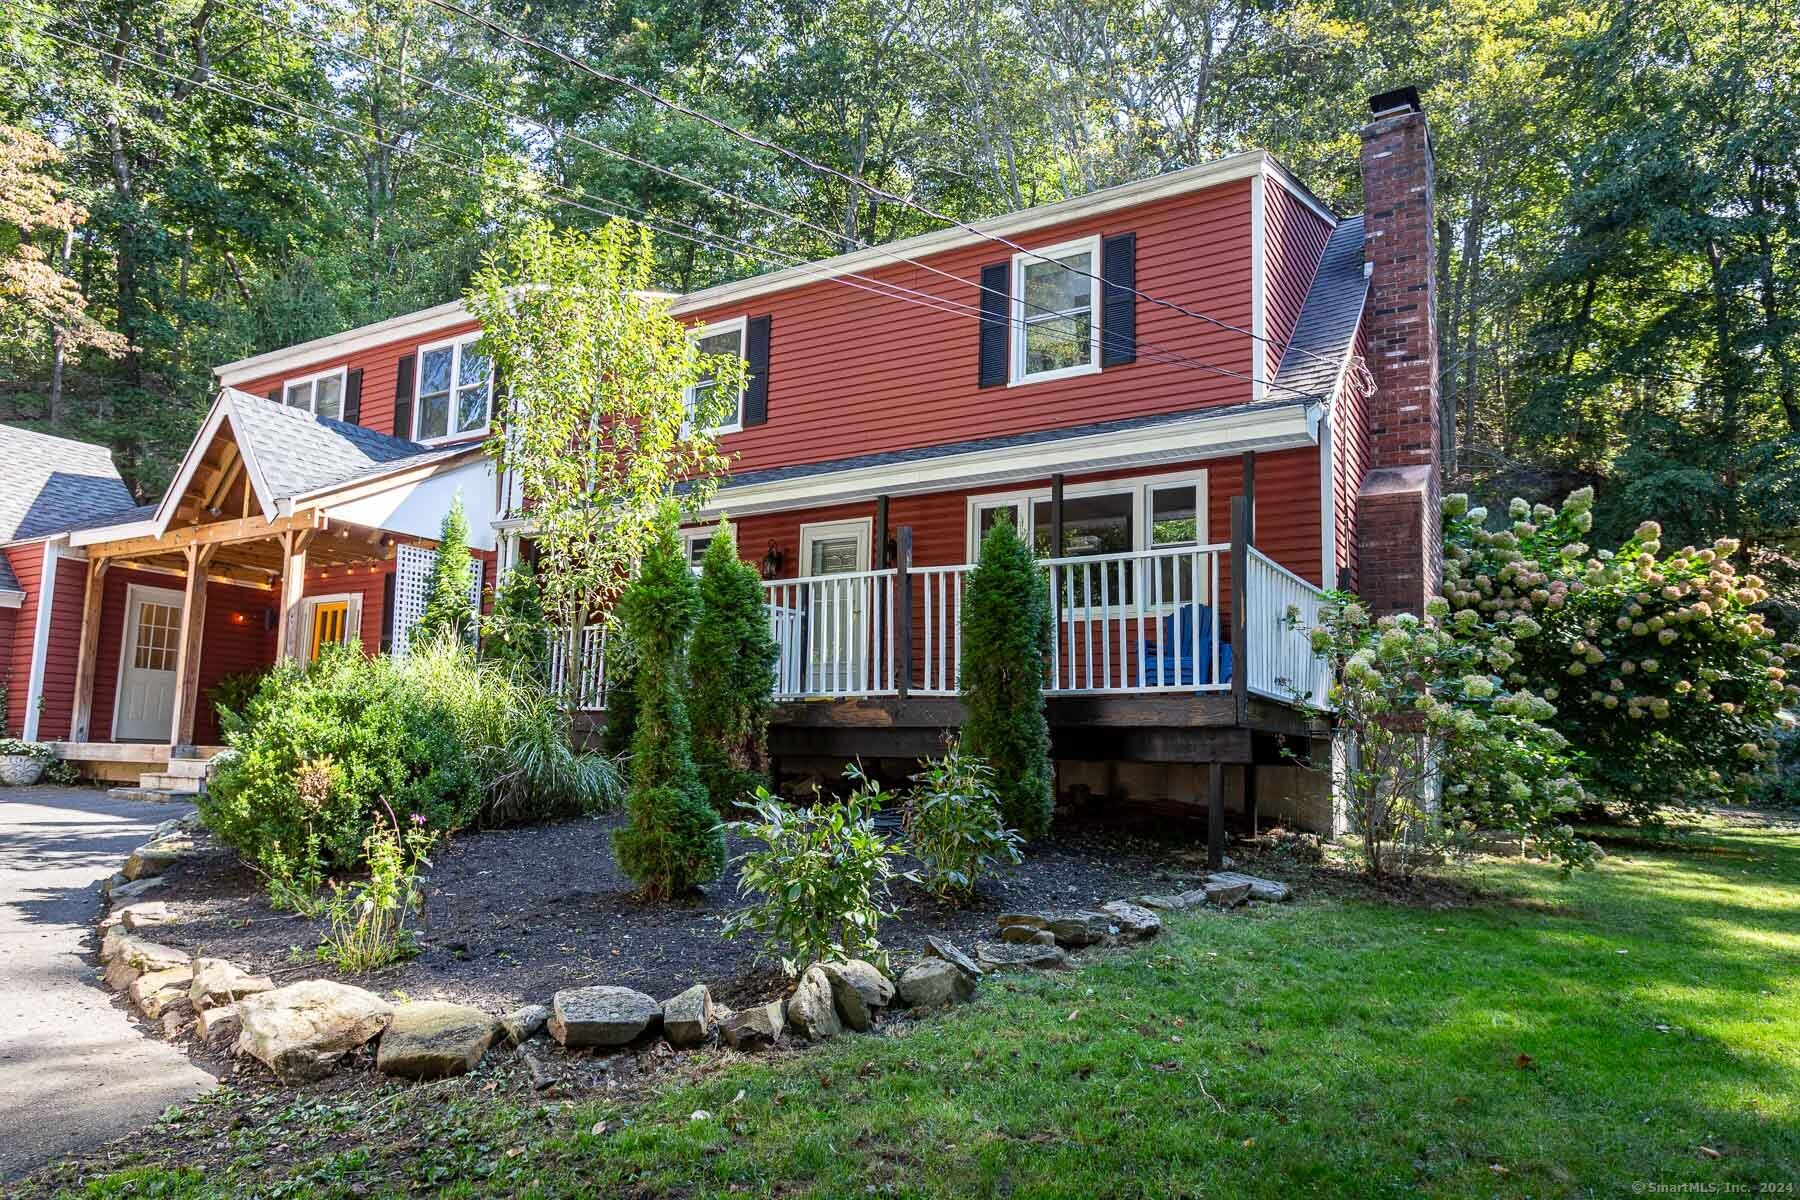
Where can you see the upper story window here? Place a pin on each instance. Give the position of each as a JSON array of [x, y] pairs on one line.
[[321, 394], [455, 392], [718, 337], [1056, 311]]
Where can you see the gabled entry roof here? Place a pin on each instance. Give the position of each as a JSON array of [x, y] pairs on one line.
[[289, 453]]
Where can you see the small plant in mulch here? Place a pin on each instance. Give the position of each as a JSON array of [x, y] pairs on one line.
[[814, 882], [369, 919], [954, 826]]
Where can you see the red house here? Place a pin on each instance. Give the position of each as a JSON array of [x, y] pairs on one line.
[[1205, 394]]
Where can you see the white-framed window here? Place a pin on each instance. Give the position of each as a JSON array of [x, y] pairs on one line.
[[1056, 311], [695, 541], [1151, 512], [321, 394], [718, 337], [454, 393]]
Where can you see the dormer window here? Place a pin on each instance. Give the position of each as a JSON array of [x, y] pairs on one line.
[[1056, 311], [719, 337], [321, 394], [455, 392]]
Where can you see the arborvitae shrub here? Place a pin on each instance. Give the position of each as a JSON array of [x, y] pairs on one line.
[[1006, 645], [733, 666], [447, 609], [673, 841]]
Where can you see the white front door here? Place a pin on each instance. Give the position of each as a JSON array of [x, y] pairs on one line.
[[145, 709], [837, 617]]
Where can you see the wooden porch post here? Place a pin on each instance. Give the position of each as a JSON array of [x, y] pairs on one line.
[[293, 586], [1250, 495], [903, 589], [86, 663], [1240, 649], [1215, 817], [1056, 518], [881, 533], [187, 660]]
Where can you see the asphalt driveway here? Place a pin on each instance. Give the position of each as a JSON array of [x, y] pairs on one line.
[[74, 1068]]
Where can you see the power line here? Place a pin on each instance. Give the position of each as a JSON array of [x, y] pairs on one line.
[[853, 180], [1151, 349]]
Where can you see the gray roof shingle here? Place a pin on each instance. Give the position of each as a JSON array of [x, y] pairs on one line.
[[49, 483], [1325, 334], [299, 453]]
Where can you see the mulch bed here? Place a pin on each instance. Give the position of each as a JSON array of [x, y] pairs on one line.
[[512, 915]]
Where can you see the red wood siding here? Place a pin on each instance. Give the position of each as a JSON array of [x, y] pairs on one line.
[[27, 563], [1294, 241], [15, 690], [853, 373], [62, 649], [379, 365], [1350, 452], [235, 639]]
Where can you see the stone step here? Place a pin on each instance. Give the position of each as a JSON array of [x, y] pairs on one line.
[[153, 795], [190, 768], [180, 785]]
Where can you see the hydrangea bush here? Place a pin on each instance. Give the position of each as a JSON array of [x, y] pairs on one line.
[[1422, 715], [1665, 681]]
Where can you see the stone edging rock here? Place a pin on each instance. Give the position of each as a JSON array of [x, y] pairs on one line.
[[302, 1031]]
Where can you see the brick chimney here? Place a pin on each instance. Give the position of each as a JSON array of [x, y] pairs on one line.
[[1399, 543]]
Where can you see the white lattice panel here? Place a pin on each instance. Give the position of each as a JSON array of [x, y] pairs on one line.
[[412, 583]]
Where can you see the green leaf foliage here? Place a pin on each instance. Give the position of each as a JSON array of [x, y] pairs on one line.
[[447, 610], [1005, 651], [816, 884], [732, 662], [1666, 680], [515, 636], [674, 841], [954, 826]]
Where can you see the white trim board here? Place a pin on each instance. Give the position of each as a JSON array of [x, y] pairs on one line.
[[1288, 427], [1259, 290], [40, 638]]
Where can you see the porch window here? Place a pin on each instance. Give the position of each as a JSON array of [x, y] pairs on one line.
[[1056, 310], [455, 391], [719, 337], [322, 394]]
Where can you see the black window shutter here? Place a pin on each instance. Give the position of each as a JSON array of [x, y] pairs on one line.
[[403, 398], [353, 397], [1118, 304], [275, 395], [996, 305], [756, 358], [387, 613]]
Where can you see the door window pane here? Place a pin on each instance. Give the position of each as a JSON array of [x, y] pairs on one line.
[[834, 556]]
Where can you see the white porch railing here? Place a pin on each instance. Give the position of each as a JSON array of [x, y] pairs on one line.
[[1140, 621], [837, 634], [587, 684], [939, 607], [1280, 609]]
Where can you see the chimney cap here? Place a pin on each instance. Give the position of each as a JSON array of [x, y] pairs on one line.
[[1401, 99]]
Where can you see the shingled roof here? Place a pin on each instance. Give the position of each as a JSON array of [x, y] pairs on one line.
[[297, 452], [1325, 335], [49, 484]]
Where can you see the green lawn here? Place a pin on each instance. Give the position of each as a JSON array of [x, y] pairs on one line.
[[1636, 1025]]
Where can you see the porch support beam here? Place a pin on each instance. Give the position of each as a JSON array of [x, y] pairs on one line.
[[293, 586], [86, 657], [1215, 817], [1250, 495], [187, 659], [247, 529], [1240, 620]]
